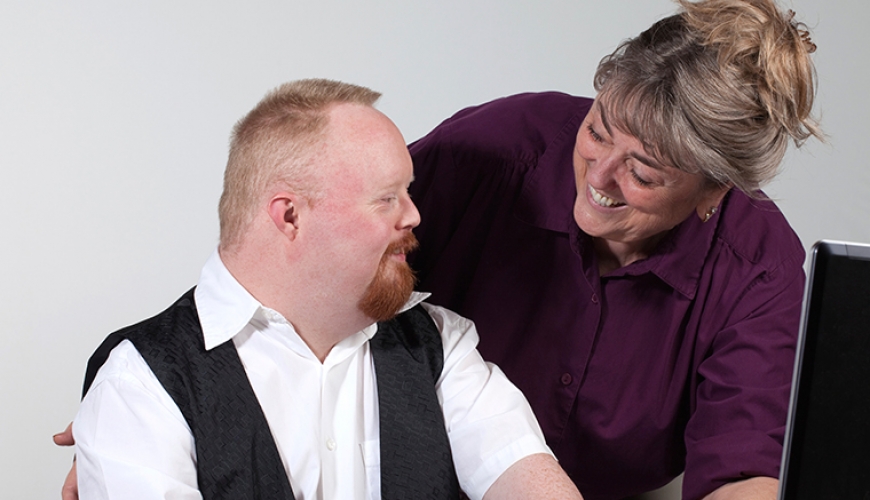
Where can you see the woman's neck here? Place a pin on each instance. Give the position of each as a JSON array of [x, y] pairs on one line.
[[613, 255]]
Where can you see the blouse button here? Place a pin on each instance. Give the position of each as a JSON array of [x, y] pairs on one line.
[[566, 379], [594, 298]]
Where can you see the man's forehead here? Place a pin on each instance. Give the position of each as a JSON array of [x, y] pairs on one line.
[[362, 147], [354, 117], [362, 130]]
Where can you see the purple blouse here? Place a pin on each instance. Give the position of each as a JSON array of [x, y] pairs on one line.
[[681, 361]]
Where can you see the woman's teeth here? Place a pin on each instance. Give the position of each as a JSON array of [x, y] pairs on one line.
[[602, 200]]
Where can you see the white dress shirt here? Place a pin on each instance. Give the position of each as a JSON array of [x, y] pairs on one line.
[[133, 443]]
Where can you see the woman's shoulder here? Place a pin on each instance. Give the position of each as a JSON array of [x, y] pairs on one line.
[[549, 106], [756, 230], [519, 123]]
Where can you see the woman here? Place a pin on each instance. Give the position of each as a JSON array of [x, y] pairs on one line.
[[619, 259]]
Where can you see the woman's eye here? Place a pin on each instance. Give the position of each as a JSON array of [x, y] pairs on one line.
[[640, 180], [594, 134]]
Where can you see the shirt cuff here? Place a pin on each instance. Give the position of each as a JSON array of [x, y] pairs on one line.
[[496, 464]]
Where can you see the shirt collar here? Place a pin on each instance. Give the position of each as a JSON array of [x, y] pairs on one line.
[[413, 300], [223, 304], [679, 257], [225, 307]]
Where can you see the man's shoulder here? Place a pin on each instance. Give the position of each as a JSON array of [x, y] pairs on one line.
[[430, 320], [445, 319], [158, 329], [126, 379], [123, 363], [455, 329], [181, 315]]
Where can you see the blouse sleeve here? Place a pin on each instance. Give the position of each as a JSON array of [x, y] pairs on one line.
[[742, 385]]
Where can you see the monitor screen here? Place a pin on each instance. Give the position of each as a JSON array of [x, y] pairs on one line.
[[829, 449]]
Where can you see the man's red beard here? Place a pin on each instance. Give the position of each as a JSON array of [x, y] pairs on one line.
[[392, 284]]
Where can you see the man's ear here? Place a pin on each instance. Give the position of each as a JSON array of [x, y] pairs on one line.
[[284, 212]]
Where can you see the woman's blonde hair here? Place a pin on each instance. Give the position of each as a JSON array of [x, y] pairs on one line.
[[718, 89], [274, 143]]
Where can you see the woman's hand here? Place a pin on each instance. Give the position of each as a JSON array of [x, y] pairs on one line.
[[70, 490]]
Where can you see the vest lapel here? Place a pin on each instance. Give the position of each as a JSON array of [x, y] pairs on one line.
[[416, 461]]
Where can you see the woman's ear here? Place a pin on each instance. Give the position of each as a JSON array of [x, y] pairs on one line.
[[710, 202]]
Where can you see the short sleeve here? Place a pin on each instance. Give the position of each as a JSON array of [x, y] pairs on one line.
[[737, 426], [489, 422], [131, 440]]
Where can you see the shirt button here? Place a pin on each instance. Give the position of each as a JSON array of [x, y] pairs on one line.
[[330, 444], [594, 298], [567, 378]]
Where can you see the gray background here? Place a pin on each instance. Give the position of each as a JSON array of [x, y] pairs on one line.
[[114, 119]]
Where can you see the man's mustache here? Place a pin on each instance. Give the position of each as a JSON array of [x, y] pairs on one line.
[[405, 245]]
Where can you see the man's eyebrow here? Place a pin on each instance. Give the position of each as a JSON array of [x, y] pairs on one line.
[[646, 160]]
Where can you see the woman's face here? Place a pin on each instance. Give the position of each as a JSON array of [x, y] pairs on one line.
[[623, 194]]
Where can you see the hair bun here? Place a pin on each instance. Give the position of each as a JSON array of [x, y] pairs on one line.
[[765, 45], [803, 33]]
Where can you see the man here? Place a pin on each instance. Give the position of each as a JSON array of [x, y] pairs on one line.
[[285, 367]]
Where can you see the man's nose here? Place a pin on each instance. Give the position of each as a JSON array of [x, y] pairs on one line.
[[411, 216]]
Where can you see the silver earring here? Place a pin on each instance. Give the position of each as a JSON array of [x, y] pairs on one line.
[[710, 213]]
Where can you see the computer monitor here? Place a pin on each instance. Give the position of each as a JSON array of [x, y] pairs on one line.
[[827, 442]]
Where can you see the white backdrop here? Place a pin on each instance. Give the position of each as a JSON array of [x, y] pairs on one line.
[[114, 119]]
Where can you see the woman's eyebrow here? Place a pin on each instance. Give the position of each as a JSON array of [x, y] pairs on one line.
[[646, 160]]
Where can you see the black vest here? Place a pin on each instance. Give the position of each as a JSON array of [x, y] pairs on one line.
[[236, 454]]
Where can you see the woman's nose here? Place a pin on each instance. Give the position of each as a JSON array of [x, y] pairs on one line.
[[601, 171]]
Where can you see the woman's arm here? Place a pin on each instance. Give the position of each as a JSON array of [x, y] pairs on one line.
[[756, 488]]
